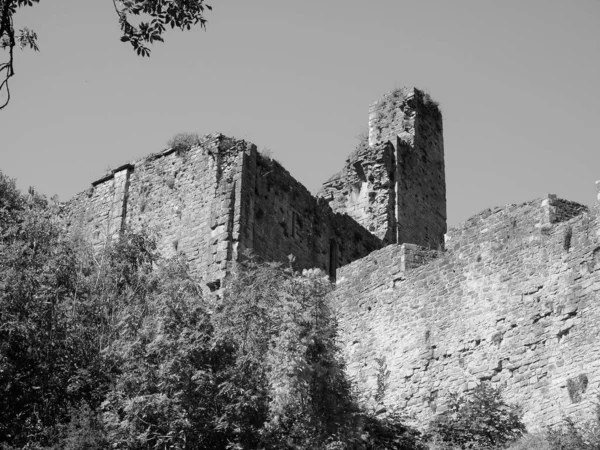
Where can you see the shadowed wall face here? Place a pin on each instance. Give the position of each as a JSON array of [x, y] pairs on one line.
[[364, 189], [280, 217]]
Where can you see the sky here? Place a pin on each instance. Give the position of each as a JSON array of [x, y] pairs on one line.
[[518, 82]]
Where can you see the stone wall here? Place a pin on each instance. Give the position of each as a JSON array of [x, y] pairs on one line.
[[394, 182], [190, 198], [214, 201], [514, 300], [421, 179], [365, 189], [107, 197], [280, 217]]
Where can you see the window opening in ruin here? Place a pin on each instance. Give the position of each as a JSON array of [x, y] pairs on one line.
[[214, 285], [360, 172], [333, 258]]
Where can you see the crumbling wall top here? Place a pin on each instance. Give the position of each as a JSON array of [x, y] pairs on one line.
[[393, 115]]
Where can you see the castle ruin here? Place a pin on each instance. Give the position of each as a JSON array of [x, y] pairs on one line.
[[218, 199], [511, 298]]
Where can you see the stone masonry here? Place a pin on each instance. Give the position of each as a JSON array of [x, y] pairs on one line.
[[514, 300], [512, 297], [221, 198], [394, 182], [215, 201]]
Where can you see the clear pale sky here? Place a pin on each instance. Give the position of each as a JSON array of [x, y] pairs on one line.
[[518, 82]]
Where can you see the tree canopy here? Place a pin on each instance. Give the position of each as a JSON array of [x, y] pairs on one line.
[[142, 23]]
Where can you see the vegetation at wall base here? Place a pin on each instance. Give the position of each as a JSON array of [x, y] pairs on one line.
[[117, 348], [479, 420]]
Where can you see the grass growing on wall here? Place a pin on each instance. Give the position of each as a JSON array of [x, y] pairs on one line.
[[183, 141]]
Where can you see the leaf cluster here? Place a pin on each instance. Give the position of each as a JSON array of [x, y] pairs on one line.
[[575, 435], [46, 351], [153, 18], [287, 386], [181, 142], [164, 393], [9, 38], [479, 420]]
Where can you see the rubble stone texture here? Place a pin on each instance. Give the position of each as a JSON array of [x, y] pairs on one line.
[[514, 300], [394, 182], [511, 298], [214, 202]]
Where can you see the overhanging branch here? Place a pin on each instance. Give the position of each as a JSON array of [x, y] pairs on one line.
[[7, 37]]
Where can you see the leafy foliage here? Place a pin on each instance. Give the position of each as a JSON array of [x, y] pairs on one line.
[[85, 431], [571, 435], [117, 347], [383, 375], [568, 435], [480, 420], [183, 141], [287, 385], [37, 335], [155, 16], [388, 431], [11, 202], [57, 313], [165, 391]]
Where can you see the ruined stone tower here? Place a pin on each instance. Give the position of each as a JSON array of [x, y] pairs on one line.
[[394, 182]]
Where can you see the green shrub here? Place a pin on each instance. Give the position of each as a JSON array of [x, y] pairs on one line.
[[383, 375], [387, 431], [84, 432], [183, 141], [165, 395], [479, 420], [534, 441], [287, 385], [570, 435]]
